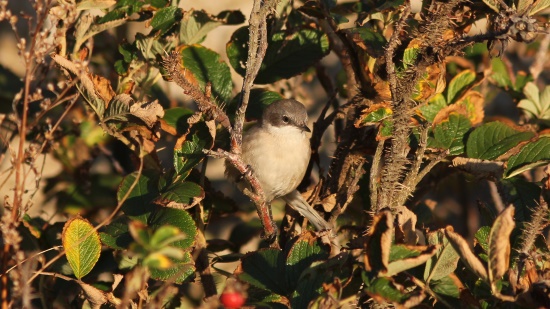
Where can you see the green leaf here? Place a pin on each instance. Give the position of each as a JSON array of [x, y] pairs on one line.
[[165, 19], [176, 118], [182, 193], [259, 99], [307, 249], [165, 235], [459, 85], [82, 246], [482, 237], [449, 134], [445, 259], [434, 105], [190, 154], [206, 66], [445, 286], [524, 195], [384, 288], [373, 40], [287, 55], [310, 284], [178, 218], [122, 9], [530, 156], [407, 257], [494, 139], [500, 74], [178, 273], [138, 205], [374, 114], [116, 234], [264, 269], [196, 24]]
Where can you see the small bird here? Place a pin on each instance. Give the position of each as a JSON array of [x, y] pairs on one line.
[[277, 150]]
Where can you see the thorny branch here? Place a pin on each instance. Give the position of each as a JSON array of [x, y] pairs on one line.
[[172, 63], [257, 47], [397, 156]]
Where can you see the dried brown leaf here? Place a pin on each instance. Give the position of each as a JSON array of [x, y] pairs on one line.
[[468, 257], [149, 112], [378, 243], [95, 296], [499, 244], [406, 221], [103, 88]]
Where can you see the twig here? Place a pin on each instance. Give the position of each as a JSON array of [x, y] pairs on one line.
[[257, 47], [30, 257], [257, 196], [412, 177], [390, 51], [540, 58], [172, 63], [125, 197], [374, 175]]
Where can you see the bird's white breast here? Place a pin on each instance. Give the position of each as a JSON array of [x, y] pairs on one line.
[[278, 156]]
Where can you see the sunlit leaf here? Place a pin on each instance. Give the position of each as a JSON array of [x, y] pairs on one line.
[[82, 246], [449, 134], [166, 18], [462, 82], [530, 156], [494, 139], [206, 66]]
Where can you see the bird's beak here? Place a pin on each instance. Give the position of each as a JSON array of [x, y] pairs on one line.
[[304, 128]]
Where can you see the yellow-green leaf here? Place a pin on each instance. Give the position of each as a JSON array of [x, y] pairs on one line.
[[82, 246]]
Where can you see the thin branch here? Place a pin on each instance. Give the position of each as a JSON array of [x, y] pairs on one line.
[[256, 195], [125, 197], [257, 47], [412, 175], [393, 43], [375, 175], [541, 58], [172, 63]]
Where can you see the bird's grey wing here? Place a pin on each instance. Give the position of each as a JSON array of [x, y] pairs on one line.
[[295, 200]]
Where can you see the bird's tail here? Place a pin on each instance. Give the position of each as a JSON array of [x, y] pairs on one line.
[[295, 200]]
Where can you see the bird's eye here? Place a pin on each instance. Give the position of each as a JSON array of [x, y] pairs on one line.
[[286, 119]]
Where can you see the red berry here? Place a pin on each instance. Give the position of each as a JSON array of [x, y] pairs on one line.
[[232, 300]]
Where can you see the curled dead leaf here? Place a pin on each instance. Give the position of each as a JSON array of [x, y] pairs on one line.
[[499, 244], [148, 112], [378, 242], [406, 221], [466, 255]]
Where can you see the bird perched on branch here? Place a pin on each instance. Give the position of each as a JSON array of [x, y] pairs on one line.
[[277, 150]]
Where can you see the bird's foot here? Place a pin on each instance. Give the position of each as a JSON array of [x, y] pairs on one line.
[[246, 173]]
